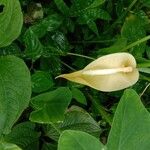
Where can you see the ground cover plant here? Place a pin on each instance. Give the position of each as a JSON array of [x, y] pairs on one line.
[[100, 45]]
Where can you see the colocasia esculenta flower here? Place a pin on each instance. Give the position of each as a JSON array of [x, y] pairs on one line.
[[108, 73]]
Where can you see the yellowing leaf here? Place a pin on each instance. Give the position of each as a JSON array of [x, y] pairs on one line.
[[108, 73]]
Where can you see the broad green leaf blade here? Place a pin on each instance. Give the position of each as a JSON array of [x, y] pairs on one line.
[[78, 140], [8, 146], [50, 107], [24, 135], [131, 125], [75, 119], [15, 91], [11, 20]]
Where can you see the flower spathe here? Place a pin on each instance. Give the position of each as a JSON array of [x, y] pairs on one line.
[[108, 73]]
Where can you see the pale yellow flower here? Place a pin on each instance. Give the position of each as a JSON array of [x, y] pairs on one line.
[[108, 73]]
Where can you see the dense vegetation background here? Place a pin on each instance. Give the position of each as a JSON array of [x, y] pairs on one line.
[[64, 36]]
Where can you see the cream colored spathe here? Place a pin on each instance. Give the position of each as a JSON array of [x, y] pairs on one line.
[[108, 73]]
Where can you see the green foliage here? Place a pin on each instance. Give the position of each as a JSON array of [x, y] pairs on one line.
[[50, 107], [77, 140]]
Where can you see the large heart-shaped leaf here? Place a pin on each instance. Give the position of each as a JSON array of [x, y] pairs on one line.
[[11, 20], [78, 140], [51, 106], [15, 91], [131, 125]]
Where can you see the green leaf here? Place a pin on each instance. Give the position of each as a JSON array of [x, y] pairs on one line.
[[46, 106], [15, 89], [11, 20], [131, 125], [75, 119], [41, 81], [92, 25], [133, 30], [24, 135], [77, 140], [78, 119], [8, 146], [33, 46], [49, 24], [78, 96]]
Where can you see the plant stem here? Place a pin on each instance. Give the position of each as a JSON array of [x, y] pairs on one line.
[[79, 55], [67, 66], [144, 90], [136, 43]]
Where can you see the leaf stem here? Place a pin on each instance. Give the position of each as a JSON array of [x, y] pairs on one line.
[[136, 43], [79, 55], [144, 90]]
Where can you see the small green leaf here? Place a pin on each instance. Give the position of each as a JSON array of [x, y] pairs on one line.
[[15, 89], [11, 20], [78, 96], [41, 81], [77, 140], [131, 124], [33, 46], [50, 107]]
